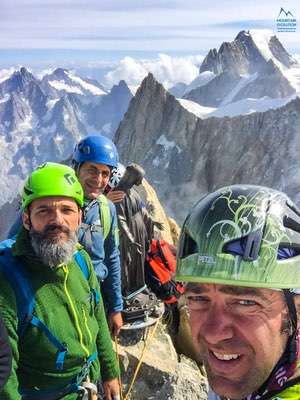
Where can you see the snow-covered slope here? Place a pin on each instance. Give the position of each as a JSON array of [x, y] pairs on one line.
[[65, 81], [196, 109], [252, 73], [241, 107], [202, 79]]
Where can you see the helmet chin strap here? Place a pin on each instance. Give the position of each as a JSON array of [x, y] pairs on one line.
[[289, 356], [292, 341], [76, 166]]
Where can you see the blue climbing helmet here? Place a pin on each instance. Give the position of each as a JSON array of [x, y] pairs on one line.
[[96, 148]]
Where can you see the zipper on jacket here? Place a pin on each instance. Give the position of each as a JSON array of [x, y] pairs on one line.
[[77, 325], [86, 325]]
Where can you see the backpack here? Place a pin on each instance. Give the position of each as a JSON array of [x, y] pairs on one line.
[[16, 274], [104, 214], [100, 222], [160, 268]]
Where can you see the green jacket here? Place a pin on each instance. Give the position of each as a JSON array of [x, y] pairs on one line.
[[64, 303], [290, 393]]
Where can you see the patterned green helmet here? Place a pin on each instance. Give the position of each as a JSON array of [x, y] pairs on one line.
[[52, 179], [242, 235]]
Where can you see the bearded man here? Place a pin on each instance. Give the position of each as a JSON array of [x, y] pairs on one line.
[[62, 345]]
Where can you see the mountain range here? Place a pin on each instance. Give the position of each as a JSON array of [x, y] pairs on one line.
[[252, 73], [42, 120], [186, 156], [237, 122]]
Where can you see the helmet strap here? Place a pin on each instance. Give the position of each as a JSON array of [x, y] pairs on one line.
[[76, 166], [288, 361], [292, 341]]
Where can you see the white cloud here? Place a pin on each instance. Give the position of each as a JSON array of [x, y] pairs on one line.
[[167, 70], [154, 25]]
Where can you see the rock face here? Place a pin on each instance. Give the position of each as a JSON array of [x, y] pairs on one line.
[[243, 55], [170, 233], [177, 379], [214, 92], [186, 157], [7, 216], [106, 114], [270, 82], [249, 67]]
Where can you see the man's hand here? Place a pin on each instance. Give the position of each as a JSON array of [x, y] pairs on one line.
[[138, 247], [159, 225], [111, 389], [116, 196], [115, 322]]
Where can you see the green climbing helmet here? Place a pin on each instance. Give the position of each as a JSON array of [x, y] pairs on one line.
[[52, 179], [242, 235]]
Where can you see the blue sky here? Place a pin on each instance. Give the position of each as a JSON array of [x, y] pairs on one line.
[[110, 40], [47, 31]]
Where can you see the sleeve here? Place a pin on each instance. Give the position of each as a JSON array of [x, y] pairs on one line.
[[5, 355], [9, 314], [111, 286], [107, 357]]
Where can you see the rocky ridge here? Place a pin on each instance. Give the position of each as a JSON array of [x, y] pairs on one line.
[[251, 66], [186, 157]]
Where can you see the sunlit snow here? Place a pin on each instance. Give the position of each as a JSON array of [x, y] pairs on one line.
[[87, 86], [241, 107], [61, 85]]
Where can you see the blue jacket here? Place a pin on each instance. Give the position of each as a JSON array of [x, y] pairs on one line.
[[104, 253]]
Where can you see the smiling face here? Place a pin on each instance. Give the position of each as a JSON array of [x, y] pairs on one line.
[[240, 334], [93, 178]]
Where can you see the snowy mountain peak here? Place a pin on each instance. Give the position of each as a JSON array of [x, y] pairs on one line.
[[21, 81], [271, 48], [60, 73], [247, 54], [253, 72], [64, 81], [22, 76]]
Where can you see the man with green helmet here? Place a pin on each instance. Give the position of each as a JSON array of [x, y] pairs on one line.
[[239, 253], [50, 298]]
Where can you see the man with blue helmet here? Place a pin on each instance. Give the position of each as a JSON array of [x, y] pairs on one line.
[[93, 159]]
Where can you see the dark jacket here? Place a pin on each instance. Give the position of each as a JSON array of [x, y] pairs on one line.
[[136, 232]]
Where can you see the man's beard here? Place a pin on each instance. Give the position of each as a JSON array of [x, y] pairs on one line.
[[51, 251]]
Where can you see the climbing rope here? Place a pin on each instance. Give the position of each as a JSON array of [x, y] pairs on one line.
[[147, 341], [118, 363]]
